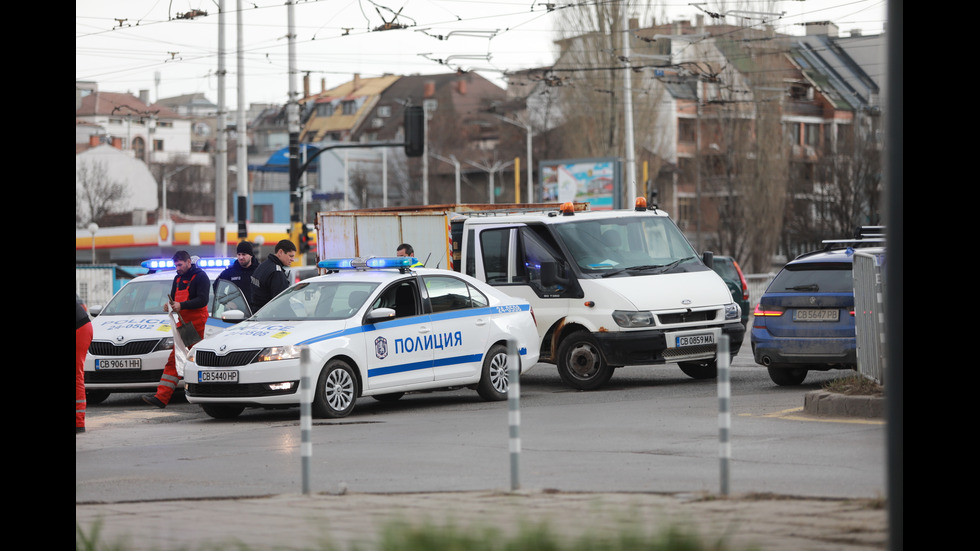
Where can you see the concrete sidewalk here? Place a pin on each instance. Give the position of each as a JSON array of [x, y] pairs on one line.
[[298, 522]]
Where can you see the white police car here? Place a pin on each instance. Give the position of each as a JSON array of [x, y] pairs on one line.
[[132, 335], [374, 328]]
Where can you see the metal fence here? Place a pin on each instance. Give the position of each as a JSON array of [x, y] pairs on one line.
[[869, 312], [758, 283], [95, 284]]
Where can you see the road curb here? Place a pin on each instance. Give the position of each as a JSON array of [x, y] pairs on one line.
[[830, 404]]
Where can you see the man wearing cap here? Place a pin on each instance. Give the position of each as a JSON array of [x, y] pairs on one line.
[[240, 273], [189, 298]]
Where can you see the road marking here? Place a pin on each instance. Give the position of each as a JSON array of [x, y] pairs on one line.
[[791, 414]]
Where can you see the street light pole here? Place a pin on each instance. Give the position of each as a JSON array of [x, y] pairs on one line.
[[451, 160], [530, 162]]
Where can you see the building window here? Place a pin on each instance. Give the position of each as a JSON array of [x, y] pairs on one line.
[[811, 135], [157, 145], [139, 147], [349, 107], [324, 109], [384, 111], [686, 130]]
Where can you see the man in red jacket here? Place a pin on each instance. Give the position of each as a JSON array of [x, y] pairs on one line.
[[190, 292]]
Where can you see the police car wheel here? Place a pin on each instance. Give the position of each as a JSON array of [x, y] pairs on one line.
[[493, 381], [580, 363], [222, 411], [93, 397], [336, 391]]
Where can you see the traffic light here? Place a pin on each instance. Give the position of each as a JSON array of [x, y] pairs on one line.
[[414, 131], [304, 240]]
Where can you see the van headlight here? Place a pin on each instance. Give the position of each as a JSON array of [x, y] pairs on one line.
[[276, 353], [733, 312], [625, 318]]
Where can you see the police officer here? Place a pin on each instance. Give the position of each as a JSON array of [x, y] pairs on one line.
[[269, 279], [240, 273]]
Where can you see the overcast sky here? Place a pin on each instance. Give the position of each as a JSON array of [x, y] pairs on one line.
[[124, 44]]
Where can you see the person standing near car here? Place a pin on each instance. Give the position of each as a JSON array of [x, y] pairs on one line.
[[189, 299], [269, 279], [240, 272], [406, 250], [83, 338]]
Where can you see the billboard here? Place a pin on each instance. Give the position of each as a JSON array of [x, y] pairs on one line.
[[596, 181]]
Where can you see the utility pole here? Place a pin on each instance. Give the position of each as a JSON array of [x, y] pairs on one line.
[[242, 134], [292, 123], [628, 108], [221, 155]]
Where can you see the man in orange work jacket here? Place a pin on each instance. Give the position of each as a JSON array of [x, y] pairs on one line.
[[190, 292]]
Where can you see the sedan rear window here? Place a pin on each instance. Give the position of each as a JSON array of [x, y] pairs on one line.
[[814, 278]]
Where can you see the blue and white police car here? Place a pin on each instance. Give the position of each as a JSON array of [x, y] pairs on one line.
[[132, 336], [374, 327]]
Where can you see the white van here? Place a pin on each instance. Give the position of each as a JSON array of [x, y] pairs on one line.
[[608, 288]]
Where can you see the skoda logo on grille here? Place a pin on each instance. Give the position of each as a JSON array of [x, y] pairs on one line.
[[222, 347], [119, 338]]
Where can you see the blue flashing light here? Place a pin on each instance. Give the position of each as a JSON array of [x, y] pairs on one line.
[[377, 262], [167, 263]]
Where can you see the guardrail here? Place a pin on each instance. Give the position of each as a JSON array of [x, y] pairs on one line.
[[758, 283]]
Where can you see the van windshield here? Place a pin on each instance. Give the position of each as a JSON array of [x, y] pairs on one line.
[[632, 245]]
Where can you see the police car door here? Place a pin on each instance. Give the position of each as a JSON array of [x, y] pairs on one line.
[[461, 328], [399, 353]]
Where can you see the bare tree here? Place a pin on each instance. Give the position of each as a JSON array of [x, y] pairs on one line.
[[591, 66], [190, 187], [97, 195]]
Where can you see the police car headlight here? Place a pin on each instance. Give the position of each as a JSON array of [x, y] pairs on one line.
[[166, 343], [733, 312], [276, 353], [625, 318]]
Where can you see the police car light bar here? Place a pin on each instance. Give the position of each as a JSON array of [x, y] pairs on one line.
[[369, 262], [208, 262]]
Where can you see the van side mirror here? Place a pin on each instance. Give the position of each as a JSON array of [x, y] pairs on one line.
[[549, 274], [708, 258]]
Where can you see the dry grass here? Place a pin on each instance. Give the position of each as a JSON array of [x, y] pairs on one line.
[[855, 385]]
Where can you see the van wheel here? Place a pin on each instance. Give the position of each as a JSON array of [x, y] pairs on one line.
[[787, 376], [222, 411], [580, 363], [93, 397], [493, 381], [700, 370], [336, 391]]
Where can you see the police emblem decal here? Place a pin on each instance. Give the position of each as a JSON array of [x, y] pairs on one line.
[[381, 348]]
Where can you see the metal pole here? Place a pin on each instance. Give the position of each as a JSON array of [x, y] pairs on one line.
[[628, 108], [305, 417], [221, 155], [242, 149], [514, 412], [724, 410], [530, 164]]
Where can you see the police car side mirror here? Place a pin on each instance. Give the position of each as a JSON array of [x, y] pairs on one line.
[[380, 314], [95, 310], [233, 316]]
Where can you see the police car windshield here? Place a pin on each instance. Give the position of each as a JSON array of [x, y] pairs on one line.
[[629, 245], [317, 300], [139, 297]]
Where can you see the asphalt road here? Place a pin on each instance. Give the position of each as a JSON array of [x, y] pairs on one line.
[[651, 429]]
